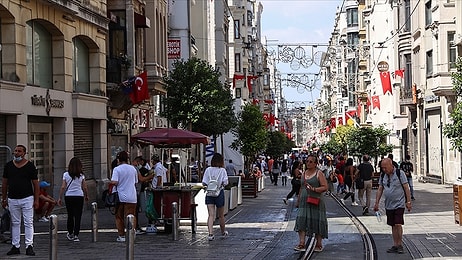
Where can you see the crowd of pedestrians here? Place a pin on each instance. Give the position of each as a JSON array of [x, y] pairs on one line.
[[314, 175]]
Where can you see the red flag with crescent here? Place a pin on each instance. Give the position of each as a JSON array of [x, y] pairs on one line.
[[400, 73], [386, 82], [140, 89], [375, 102]]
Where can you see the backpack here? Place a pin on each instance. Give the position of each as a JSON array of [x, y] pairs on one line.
[[213, 188], [284, 167], [6, 221]]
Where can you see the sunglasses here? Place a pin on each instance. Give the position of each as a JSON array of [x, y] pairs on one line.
[[388, 182]]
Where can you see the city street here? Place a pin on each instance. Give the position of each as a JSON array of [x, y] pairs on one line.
[[262, 228]]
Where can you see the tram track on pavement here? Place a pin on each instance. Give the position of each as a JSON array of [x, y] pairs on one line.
[[369, 247]]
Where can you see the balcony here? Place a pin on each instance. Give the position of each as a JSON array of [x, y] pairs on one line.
[[406, 96]]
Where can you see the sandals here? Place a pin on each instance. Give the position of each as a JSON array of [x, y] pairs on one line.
[[300, 248], [318, 249]]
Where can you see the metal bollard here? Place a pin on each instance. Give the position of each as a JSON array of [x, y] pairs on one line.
[[130, 237], [94, 221], [53, 237], [175, 221]]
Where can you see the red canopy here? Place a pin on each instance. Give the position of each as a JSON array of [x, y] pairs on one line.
[[170, 137]]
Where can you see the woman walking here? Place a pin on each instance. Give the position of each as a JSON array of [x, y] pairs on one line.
[[311, 216], [296, 173], [216, 173], [74, 189], [349, 177]]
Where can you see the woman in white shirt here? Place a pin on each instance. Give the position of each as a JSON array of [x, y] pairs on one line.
[[216, 172], [74, 189]]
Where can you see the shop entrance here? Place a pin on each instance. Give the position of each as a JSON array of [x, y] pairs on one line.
[[40, 149]]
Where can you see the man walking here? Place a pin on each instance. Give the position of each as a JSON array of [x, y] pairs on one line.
[[408, 168], [20, 184], [365, 173], [230, 168], [393, 184]]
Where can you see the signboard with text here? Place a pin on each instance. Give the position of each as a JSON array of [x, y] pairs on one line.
[[174, 48]]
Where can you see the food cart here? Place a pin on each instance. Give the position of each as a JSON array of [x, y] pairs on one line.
[[181, 193]]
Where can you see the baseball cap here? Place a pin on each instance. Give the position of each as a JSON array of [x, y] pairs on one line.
[[44, 184]]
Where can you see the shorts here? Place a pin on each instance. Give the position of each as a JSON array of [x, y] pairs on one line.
[[395, 216], [217, 201]]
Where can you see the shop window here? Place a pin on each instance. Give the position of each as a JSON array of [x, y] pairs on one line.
[[38, 55], [81, 71]]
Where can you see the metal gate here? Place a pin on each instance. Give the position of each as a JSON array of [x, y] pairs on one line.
[[83, 145]]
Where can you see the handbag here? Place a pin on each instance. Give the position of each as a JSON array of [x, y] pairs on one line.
[[112, 199], [313, 200]]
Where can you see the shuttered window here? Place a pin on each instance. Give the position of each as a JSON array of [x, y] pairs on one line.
[[83, 145]]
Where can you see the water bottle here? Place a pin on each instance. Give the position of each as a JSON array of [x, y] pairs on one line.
[[379, 216]]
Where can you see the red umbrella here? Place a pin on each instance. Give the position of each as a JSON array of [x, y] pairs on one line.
[[170, 137]]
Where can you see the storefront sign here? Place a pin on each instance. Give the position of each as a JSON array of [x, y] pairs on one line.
[[174, 49], [47, 102]]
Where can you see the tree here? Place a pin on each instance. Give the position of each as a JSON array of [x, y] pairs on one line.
[[453, 130], [251, 134], [277, 144], [368, 140], [332, 147], [197, 100], [341, 133]]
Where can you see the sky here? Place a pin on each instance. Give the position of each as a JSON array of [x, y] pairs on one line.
[[298, 22]]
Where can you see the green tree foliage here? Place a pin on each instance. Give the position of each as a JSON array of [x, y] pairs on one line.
[[278, 144], [332, 147], [197, 100], [368, 140], [340, 137], [251, 134], [453, 130]]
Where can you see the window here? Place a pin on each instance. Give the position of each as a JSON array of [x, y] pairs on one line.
[[452, 49], [237, 29], [237, 62], [352, 39], [80, 66], [352, 17], [38, 55], [428, 13], [249, 18], [407, 16], [117, 36], [407, 71], [238, 93], [429, 62]]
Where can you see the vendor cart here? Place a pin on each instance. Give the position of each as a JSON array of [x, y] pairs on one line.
[[184, 197]]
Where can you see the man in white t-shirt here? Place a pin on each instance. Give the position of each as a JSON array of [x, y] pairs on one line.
[[160, 172]]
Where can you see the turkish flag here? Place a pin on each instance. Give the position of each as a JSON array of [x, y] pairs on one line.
[[140, 89], [386, 82], [249, 82], [358, 109], [375, 102], [237, 77], [400, 73]]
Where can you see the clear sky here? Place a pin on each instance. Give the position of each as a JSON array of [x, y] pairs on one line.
[[298, 21]]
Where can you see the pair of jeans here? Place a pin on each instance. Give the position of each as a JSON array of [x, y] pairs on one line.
[[25, 208]]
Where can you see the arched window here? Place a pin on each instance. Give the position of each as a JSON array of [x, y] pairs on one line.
[[38, 55], [80, 67]]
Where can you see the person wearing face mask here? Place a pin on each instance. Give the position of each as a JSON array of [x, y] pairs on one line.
[[20, 184]]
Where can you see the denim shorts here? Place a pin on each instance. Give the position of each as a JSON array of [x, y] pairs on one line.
[[217, 201]]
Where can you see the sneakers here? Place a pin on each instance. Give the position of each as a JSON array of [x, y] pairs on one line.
[[70, 236], [120, 239], [365, 211], [225, 234], [76, 239], [211, 237], [285, 201], [354, 204], [300, 248], [396, 249], [43, 219], [139, 232], [14, 251], [30, 250]]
